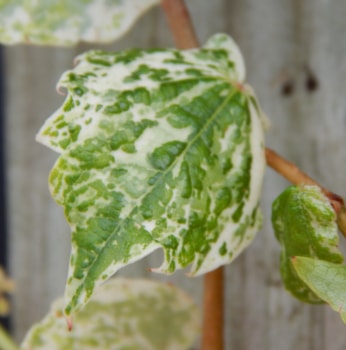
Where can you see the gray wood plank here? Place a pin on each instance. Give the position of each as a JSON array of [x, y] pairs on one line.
[[39, 237]]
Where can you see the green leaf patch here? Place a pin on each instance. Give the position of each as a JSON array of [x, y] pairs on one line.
[[304, 224], [327, 280]]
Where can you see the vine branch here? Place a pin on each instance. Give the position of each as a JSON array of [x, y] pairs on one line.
[[213, 310], [180, 24], [294, 175], [183, 32]]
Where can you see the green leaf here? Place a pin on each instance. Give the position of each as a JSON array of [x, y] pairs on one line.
[[123, 314], [304, 224], [67, 22], [159, 148], [326, 279]]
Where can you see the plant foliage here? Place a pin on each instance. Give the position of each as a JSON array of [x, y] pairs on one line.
[[327, 280], [304, 224], [52, 22], [159, 148], [123, 314]]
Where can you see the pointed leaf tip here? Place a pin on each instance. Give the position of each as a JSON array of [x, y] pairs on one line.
[[69, 323]]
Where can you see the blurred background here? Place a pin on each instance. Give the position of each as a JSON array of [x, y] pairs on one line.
[[295, 53]]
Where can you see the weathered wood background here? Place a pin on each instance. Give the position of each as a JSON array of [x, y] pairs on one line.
[[295, 52]]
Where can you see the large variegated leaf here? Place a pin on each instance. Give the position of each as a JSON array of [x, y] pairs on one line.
[[304, 224], [160, 148], [326, 279], [123, 314], [67, 22]]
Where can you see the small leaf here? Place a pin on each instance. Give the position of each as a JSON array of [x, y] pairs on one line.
[[304, 224], [6, 287], [68, 22], [159, 148], [327, 280], [123, 314]]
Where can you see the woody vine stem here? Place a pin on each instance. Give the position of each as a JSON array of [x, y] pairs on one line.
[[183, 32]]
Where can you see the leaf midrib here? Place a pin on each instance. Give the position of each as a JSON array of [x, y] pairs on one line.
[[190, 143]]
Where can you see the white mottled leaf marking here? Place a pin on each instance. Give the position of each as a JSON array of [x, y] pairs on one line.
[[131, 314], [159, 148], [68, 22]]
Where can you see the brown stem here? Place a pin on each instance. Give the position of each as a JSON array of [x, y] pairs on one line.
[[293, 174], [287, 169], [181, 26], [212, 337]]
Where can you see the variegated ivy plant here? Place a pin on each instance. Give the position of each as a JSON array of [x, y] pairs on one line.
[[158, 149], [163, 148]]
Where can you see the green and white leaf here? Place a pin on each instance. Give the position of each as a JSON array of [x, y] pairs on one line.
[[123, 314], [304, 224], [159, 149], [68, 22], [327, 280]]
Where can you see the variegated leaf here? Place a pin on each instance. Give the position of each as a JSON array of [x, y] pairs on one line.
[[160, 148], [123, 314], [67, 22], [304, 224], [326, 279]]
